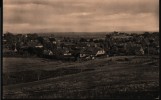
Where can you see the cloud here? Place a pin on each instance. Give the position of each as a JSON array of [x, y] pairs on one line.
[[80, 15]]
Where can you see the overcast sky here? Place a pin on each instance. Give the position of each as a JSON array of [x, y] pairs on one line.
[[80, 15]]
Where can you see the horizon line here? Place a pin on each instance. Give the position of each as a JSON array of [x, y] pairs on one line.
[[75, 32]]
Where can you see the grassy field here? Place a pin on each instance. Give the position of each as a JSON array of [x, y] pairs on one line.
[[114, 77]]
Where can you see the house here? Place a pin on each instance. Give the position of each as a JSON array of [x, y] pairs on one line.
[[48, 52], [139, 51], [92, 51], [39, 45], [59, 54], [92, 44], [100, 51], [53, 40], [62, 51], [66, 52], [46, 39]]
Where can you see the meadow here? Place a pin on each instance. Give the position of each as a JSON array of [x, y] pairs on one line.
[[123, 77]]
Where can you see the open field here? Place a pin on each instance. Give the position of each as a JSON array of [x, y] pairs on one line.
[[114, 77]]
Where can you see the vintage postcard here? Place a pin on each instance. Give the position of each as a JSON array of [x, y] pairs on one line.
[[80, 49]]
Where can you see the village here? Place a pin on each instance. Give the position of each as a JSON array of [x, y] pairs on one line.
[[114, 65], [80, 49]]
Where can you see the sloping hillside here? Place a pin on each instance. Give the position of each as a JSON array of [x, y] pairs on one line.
[[115, 77]]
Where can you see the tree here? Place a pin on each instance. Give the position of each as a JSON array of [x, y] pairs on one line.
[[101, 40], [96, 41], [146, 34], [9, 37], [40, 39], [82, 40], [91, 40]]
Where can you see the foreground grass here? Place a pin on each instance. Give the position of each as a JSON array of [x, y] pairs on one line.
[[135, 77]]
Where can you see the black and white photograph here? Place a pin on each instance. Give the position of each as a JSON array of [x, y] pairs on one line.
[[80, 49]]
